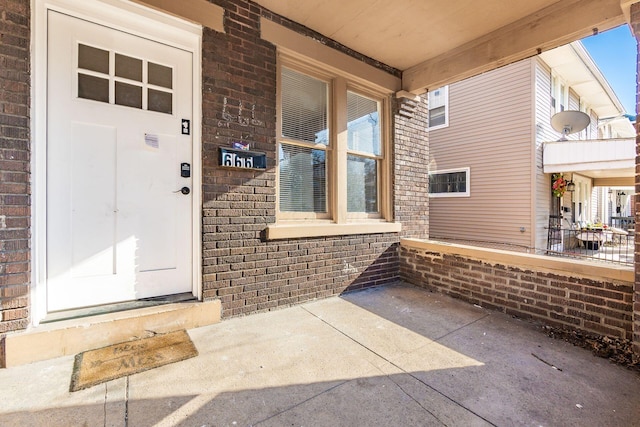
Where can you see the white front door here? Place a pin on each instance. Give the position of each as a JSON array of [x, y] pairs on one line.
[[118, 226]]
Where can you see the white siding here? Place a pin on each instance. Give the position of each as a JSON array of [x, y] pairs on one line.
[[544, 132], [593, 126], [490, 131]]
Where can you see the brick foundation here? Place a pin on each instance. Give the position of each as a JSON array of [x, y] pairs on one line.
[[560, 298]]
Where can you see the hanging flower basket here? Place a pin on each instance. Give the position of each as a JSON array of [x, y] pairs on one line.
[[558, 185]]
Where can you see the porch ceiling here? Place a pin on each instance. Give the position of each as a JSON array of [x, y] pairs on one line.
[[436, 42]]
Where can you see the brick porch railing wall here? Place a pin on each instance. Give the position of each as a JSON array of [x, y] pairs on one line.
[[557, 298], [15, 212]]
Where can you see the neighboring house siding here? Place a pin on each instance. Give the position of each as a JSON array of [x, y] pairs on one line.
[[591, 132], [593, 126], [544, 132], [490, 125]]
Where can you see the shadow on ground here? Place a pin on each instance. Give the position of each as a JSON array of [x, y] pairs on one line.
[[393, 355]]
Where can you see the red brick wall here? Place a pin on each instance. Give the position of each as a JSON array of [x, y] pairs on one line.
[[245, 271], [635, 24], [14, 164], [560, 300]]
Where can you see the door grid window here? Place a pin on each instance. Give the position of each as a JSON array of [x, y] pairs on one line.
[[114, 78]]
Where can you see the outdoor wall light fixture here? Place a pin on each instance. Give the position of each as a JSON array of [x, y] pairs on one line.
[[571, 186]]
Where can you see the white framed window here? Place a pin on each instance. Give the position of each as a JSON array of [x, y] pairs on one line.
[[364, 155], [559, 94], [439, 108], [554, 101], [332, 147], [584, 107], [564, 96], [304, 144], [450, 183]]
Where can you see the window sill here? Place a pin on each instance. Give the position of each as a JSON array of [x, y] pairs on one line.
[[301, 229], [436, 127]]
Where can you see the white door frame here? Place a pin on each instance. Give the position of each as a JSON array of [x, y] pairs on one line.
[[134, 19]]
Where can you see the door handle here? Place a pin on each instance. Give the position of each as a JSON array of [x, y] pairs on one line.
[[183, 190]]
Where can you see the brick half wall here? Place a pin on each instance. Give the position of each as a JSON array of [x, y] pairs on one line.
[[570, 295]]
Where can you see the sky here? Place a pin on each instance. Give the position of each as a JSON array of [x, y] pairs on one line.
[[614, 52]]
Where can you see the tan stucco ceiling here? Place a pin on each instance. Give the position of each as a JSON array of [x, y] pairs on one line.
[[435, 42]]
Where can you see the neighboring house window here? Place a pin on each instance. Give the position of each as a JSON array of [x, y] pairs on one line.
[[553, 94], [450, 183], [326, 171], [584, 107], [559, 95], [439, 108], [563, 97]]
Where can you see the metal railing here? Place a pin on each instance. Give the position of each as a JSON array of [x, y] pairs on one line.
[[603, 244], [624, 222]]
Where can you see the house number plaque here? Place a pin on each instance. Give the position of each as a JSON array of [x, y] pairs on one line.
[[241, 159]]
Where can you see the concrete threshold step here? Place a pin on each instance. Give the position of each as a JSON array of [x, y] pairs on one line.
[[67, 337]]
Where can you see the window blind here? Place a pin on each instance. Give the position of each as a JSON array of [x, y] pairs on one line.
[[304, 107]]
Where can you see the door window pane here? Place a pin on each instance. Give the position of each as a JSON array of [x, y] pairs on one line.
[[363, 124], [160, 101], [160, 75], [91, 87], [362, 184], [302, 179], [304, 108], [128, 95], [128, 67], [94, 59]]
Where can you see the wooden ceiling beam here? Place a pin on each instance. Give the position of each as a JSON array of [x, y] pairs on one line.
[[553, 26]]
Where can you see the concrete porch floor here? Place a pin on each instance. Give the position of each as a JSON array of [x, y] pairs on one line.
[[394, 355]]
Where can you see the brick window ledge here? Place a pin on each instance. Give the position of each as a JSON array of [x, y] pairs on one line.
[[313, 229]]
